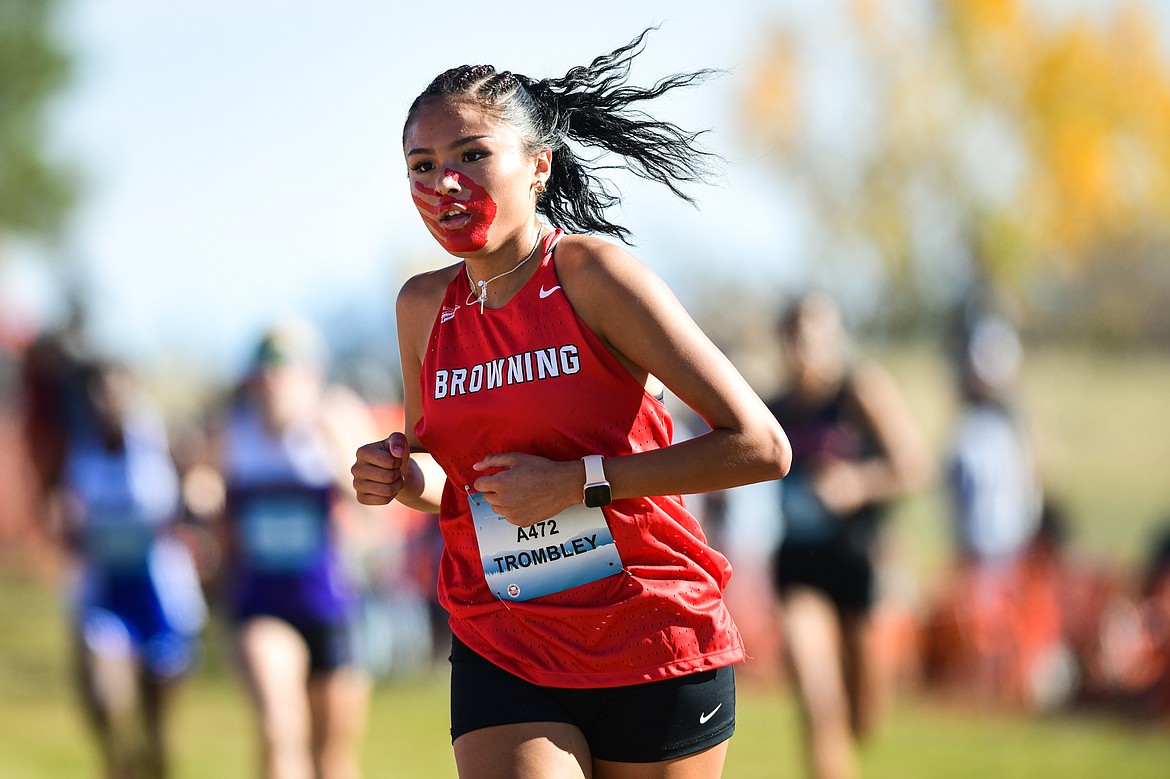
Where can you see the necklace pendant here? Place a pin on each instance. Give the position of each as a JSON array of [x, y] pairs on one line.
[[481, 296]]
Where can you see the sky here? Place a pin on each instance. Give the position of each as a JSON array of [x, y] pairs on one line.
[[242, 159]]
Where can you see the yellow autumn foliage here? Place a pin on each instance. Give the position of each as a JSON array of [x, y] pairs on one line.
[[1086, 100]]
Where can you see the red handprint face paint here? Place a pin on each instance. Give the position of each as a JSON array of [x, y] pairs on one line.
[[460, 225]]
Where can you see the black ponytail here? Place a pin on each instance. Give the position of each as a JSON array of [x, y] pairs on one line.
[[589, 107]]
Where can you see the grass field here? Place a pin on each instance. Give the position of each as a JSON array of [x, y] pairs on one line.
[[1103, 427], [42, 735]]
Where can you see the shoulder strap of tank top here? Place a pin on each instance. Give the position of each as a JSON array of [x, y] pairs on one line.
[[551, 240]]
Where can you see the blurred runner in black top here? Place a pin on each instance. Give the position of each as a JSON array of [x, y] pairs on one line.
[[854, 449]]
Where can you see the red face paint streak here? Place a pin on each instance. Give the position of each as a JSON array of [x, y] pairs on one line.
[[469, 236]]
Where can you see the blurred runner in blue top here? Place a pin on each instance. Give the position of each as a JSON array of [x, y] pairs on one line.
[[138, 606]]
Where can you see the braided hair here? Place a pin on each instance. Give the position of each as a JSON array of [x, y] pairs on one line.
[[591, 106]]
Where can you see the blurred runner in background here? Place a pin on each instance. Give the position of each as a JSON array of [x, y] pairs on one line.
[[283, 449], [138, 606], [994, 625], [855, 448]]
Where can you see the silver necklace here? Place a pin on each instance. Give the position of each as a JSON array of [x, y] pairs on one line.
[[473, 298]]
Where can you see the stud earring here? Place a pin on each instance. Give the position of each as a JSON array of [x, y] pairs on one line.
[[540, 187]]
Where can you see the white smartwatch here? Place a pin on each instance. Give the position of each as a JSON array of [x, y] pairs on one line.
[[596, 487]]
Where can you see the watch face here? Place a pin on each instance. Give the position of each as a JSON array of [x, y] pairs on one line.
[[597, 495]]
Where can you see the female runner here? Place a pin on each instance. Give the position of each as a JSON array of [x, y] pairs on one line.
[[590, 634]]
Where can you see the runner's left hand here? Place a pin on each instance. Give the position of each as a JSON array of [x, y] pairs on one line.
[[526, 489]]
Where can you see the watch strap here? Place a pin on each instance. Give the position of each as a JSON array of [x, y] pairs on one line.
[[594, 470]]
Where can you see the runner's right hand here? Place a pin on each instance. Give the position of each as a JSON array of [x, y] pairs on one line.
[[380, 470]]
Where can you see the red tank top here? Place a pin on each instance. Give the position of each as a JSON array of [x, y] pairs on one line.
[[531, 377]]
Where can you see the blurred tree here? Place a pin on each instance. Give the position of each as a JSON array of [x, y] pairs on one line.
[[35, 191], [985, 141]]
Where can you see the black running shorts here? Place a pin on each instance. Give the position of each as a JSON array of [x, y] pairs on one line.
[[640, 723]]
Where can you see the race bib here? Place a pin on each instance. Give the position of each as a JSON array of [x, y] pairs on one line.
[[520, 563], [118, 540], [805, 518], [282, 532]]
